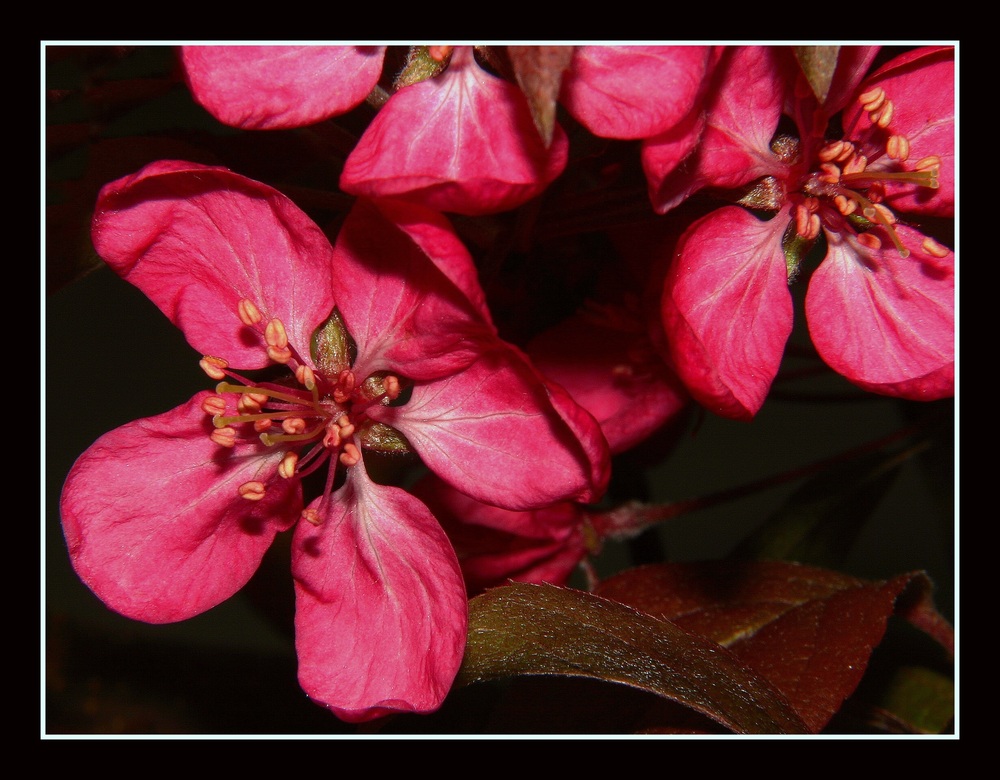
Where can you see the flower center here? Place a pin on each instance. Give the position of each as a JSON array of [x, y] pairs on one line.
[[314, 415], [847, 178]]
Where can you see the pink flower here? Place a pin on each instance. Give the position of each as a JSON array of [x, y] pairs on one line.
[[880, 306], [373, 348], [463, 141]]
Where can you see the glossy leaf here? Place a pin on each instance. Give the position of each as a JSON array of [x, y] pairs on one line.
[[810, 632], [544, 630]]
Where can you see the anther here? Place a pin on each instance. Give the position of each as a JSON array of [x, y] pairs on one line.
[[213, 367], [844, 205], [391, 386], [345, 386], [305, 376], [933, 248], [311, 516], [898, 147], [247, 405], [224, 437], [882, 116], [213, 405], [856, 164], [439, 53], [249, 313], [351, 455], [836, 151], [275, 335], [872, 99], [293, 425], [287, 466], [830, 173], [252, 491]]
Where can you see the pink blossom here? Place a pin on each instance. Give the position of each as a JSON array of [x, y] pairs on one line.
[[268, 87], [880, 306], [382, 347]]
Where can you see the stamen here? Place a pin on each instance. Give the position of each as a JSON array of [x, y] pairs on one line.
[[855, 165], [830, 173], [391, 385], [293, 425], [224, 437], [252, 491], [213, 367], [247, 405], [882, 116], [345, 386], [898, 147], [836, 151], [287, 466], [305, 376], [872, 99], [249, 313], [277, 341], [844, 205], [351, 455], [214, 405], [933, 248], [439, 53], [311, 516]]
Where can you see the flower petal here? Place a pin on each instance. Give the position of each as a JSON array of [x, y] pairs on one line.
[[268, 87], [462, 142], [885, 322], [635, 91], [735, 143], [381, 611], [404, 313], [494, 432], [197, 240], [921, 86], [153, 520], [727, 310]]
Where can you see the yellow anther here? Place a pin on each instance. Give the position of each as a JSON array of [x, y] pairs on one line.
[[311, 516], [275, 335], [306, 377], [249, 313], [836, 151], [293, 425], [262, 425], [856, 164], [247, 405], [844, 205], [872, 99], [287, 466], [351, 455], [252, 491], [224, 437], [898, 147], [213, 405], [279, 354], [883, 115], [933, 248], [888, 218], [213, 366], [830, 173], [928, 163]]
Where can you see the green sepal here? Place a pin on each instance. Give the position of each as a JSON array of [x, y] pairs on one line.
[[332, 347]]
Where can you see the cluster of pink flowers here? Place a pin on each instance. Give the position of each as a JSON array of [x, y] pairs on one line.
[[345, 360]]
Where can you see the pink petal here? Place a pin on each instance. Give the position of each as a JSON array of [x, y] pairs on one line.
[[921, 86], [885, 322], [268, 87], [495, 545], [381, 611], [735, 143], [403, 312], [727, 310], [492, 432], [197, 240], [634, 91], [153, 520], [463, 142], [614, 375]]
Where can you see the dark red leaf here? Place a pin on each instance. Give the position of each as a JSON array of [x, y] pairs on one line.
[[809, 631], [522, 629]]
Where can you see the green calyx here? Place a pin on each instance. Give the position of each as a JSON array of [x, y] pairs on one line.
[[332, 347]]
